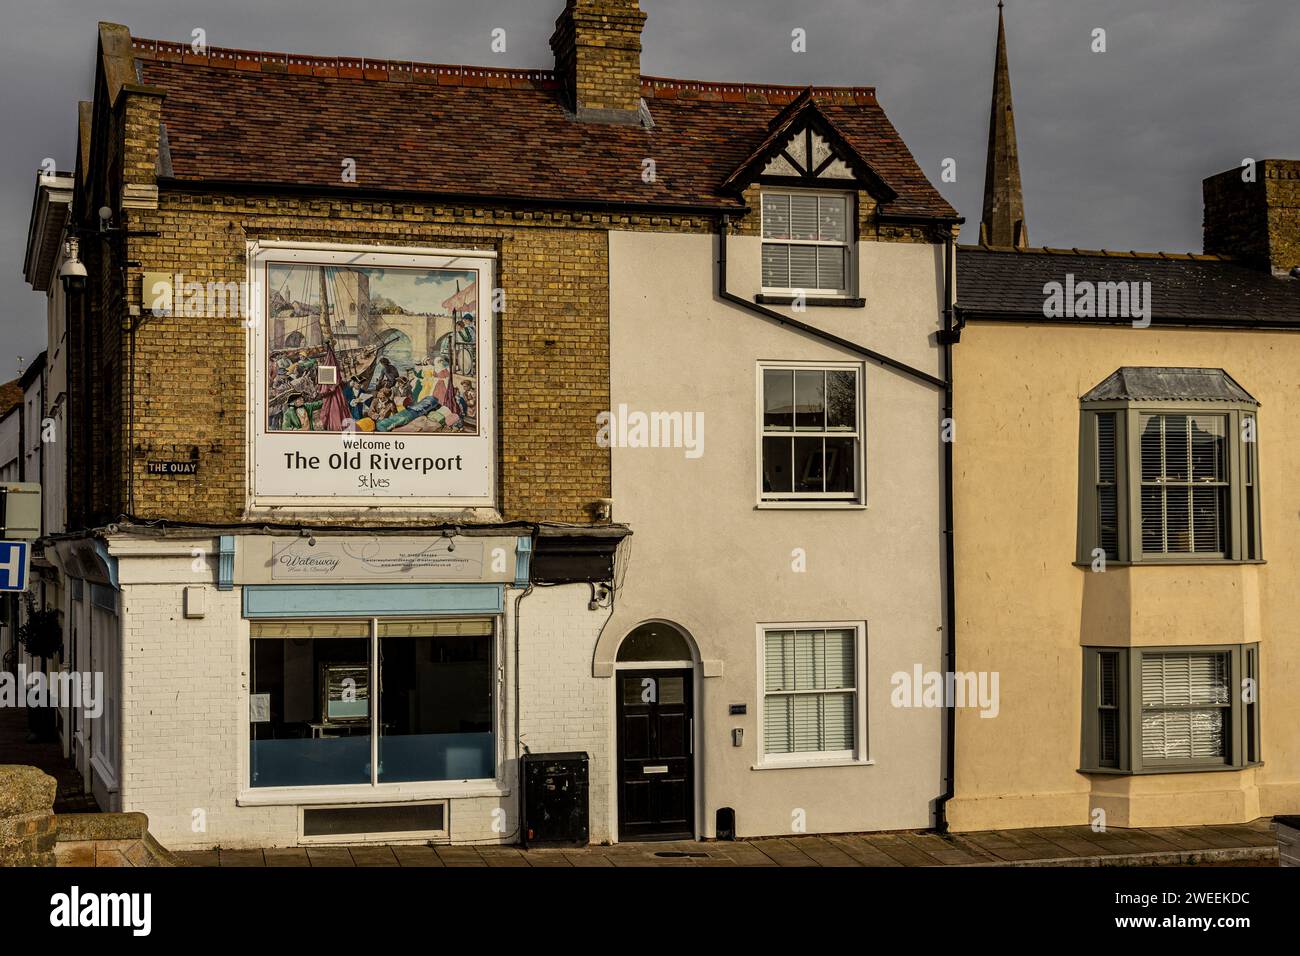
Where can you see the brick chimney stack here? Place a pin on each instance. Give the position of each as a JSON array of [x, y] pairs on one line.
[[597, 46], [1256, 219]]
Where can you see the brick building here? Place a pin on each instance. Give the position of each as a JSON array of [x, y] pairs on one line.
[[344, 533]]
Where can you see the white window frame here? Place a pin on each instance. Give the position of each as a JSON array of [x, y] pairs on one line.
[[859, 755], [812, 499], [374, 792], [850, 228]]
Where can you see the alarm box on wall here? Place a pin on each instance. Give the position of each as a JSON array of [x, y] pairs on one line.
[[554, 798]]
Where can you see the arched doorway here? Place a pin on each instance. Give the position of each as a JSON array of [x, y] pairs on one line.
[[654, 714]]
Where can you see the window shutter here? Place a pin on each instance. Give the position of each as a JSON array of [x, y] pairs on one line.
[[1108, 714], [1107, 490], [1248, 453]]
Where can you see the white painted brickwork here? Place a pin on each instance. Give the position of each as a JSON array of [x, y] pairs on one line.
[[565, 708], [185, 724]]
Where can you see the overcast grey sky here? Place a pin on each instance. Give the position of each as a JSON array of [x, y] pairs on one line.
[[1113, 146]]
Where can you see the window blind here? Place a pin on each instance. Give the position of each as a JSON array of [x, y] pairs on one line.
[[1184, 706], [1184, 483], [310, 628], [814, 251], [436, 628], [809, 683]]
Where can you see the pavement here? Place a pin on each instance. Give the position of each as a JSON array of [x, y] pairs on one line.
[[46, 755], [1252, 844]]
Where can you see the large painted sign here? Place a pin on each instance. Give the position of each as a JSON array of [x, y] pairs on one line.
[[372, 377]]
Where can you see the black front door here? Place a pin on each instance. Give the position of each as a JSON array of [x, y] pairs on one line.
[[656, 792]]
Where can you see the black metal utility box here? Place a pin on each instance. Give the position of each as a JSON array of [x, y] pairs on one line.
[[554, 798]]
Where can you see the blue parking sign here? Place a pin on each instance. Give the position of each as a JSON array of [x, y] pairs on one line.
[[14, 557]]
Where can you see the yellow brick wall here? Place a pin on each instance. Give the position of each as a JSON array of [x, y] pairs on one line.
[[552, 341]]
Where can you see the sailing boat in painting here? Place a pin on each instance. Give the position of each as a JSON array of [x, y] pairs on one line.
[[372, 349]]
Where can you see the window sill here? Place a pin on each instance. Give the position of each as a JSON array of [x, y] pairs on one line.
[[798, 505], [364, 793], [812, 764], [1149, 771], [827, 301], [1172, 563]]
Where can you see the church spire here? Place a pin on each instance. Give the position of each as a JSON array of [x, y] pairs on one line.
[[1003, 222]]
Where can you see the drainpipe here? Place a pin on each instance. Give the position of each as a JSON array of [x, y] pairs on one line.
[[120, 714], [519, 765], [946, 337], [773, 315]]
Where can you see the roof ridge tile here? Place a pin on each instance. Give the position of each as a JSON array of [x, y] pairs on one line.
[[449, 74]]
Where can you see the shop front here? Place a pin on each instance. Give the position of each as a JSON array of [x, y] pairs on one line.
[[375, 680], [283, 688]]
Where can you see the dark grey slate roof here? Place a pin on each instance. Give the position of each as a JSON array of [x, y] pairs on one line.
[[1008, 283], [1134, 383]]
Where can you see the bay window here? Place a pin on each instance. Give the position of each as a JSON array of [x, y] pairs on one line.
[[1155, 709], [1168, 469]]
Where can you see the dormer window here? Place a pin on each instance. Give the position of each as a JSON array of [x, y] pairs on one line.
[[806, 242], [809, 178]]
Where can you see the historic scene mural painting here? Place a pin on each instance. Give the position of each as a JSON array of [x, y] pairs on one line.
[[372, 349]]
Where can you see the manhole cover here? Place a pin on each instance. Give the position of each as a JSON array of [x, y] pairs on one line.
[[677, 854]]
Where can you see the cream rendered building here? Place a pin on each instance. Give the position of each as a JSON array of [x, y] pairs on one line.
[[1126, 527], [738, 580]]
